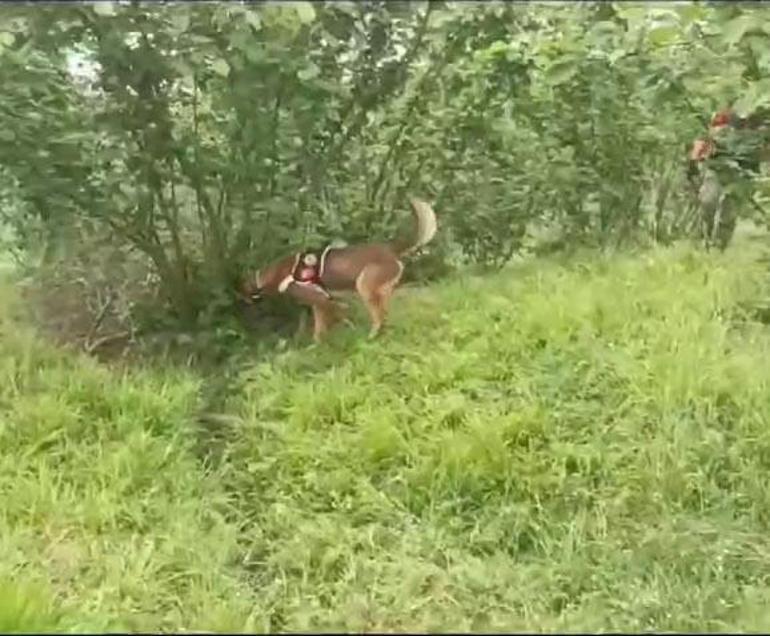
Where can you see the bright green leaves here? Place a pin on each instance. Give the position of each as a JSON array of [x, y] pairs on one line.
[[498, 49], [305, 11], [756, 95], [561, 71], [253, 19], [6, 41], [220, 67], [104, 9], [521, 113], [180, 20], [309, 72], [635, 15], [734, 30], [664, 35], [691, 12]]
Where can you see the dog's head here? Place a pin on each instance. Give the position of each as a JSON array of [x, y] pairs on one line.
[[267, 280]]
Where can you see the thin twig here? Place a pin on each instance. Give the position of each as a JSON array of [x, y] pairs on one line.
[[106, 340], [99, 320]]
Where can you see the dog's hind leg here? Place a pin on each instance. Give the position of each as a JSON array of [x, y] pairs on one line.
[[375, 285], [376, 307]]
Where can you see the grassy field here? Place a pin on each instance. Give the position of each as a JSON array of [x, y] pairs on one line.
[[563, 446]]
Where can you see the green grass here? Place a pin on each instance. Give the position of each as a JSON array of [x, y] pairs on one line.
[[562, 446]]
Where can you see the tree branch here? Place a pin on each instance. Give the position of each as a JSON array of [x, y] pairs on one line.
[[379, 91]]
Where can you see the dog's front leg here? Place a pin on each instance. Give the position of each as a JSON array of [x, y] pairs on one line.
[[320, 322], [320, 303], [302, 323]]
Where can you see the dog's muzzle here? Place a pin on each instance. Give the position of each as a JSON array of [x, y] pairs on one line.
[[249, 296], [254, 289]]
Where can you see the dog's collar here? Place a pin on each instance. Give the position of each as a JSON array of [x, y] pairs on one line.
[[322, 265]]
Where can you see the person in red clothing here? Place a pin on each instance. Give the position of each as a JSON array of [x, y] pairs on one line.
[[721, 168], [703, 149], [717, 225], [742, 139]]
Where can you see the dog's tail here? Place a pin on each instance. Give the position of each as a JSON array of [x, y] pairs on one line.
[[425, 230]]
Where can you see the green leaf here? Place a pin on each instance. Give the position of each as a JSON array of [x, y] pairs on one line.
[[633, 13], [691, 12], [256, 54], [735, 29], [763, 61], [347, 7], [746, 104], [663, 35], [561, 71], [309, 72], [180, 20], [252, 17], [104, 8], [7, 135], [305, 11], [220, 67], [126, 190], [756, 95], [182, 67], [498, 47]]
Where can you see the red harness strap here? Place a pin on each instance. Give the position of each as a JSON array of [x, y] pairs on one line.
[[307, 274], [307, 270]]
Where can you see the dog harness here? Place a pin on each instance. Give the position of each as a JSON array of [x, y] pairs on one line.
[[307, 270]]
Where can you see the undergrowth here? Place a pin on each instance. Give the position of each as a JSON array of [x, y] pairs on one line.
[[563, 446]]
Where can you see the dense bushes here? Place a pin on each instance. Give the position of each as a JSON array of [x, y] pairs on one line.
[[206, 139]]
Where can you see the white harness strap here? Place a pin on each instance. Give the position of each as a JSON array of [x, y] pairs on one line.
[[284, 284], [323, 260]]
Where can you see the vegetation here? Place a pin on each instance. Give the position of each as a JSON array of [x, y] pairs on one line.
[[576, 446], [566, 429], [159, 150]]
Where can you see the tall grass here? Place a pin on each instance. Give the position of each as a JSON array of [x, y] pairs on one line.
[[564, 446], [103, 499]]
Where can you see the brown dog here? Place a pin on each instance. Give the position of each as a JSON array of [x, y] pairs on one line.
[[371, 269]]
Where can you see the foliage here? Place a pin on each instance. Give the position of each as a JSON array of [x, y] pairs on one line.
[[577, 446], [574, 447], [210, 138]]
